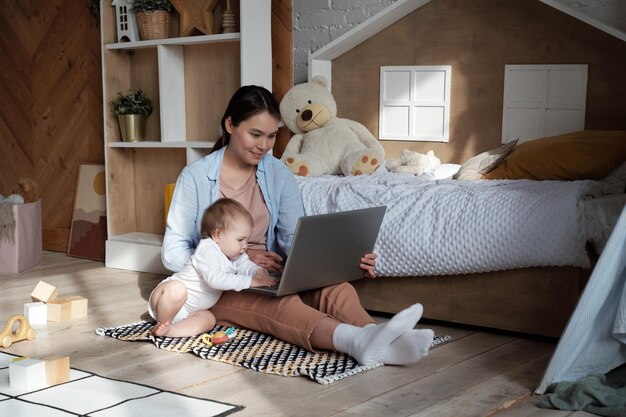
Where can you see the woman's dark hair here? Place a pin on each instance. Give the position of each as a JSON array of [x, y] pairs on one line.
[[247, 101]]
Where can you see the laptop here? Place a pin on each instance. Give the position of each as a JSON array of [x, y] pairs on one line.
[[327, 249]]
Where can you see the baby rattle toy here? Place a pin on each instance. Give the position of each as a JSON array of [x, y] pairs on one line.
[[218, 337]]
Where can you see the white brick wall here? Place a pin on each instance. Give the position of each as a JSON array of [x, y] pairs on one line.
[[318, 22]]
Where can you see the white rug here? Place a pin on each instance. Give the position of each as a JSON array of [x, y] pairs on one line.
[[88, 394]]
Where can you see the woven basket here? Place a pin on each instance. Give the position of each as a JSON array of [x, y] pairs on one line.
[[153, 24]]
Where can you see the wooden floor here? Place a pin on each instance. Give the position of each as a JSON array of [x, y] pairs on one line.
[[480, 373]]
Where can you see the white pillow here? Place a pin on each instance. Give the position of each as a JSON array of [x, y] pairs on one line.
[[477, 166]]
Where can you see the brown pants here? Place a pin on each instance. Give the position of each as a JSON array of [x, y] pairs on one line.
[[292, 317]]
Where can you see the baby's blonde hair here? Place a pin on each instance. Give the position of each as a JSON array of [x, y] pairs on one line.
[[221, 214]]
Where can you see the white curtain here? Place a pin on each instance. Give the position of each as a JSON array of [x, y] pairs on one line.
[[594, 341]]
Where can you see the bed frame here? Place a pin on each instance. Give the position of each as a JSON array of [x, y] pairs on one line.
[[537, 301]]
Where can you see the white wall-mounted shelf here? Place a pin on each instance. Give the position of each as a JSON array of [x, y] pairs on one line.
[[164, 145], [188, 40]]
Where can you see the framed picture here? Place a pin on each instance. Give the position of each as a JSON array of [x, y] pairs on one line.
[[88, 229]]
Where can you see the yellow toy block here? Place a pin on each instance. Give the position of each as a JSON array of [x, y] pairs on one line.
[[78, 306], [44, 292], [57, 370], [59, 310]]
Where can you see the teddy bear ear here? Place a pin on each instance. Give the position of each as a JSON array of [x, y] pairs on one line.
[[320, 80], [23, 182]]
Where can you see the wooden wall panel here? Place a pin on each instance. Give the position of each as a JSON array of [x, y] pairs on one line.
[[51, 99], [478, 38], [50, 103], [282, 60]]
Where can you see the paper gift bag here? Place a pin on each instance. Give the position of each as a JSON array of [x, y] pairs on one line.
[[23, 250]]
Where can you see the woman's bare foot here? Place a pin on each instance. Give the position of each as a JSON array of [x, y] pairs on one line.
[[161, 329]]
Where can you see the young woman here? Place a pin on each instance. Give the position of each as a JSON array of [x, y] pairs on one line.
[[240, 168]]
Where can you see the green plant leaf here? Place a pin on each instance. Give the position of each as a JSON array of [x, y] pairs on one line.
[[133, 102]]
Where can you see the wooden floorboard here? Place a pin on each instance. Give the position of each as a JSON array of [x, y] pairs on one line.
[[478, 373]]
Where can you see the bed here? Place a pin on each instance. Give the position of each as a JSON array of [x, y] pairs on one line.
[[511, 254]]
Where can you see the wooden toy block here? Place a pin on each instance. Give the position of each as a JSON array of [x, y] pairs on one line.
[[78, 306], [27, 374], [24, 331], [44, 292], [57, 370], [36, 313], [59, 310]]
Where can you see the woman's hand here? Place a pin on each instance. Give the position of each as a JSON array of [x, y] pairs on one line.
[[262, 279], [268, 260], [368, 264]]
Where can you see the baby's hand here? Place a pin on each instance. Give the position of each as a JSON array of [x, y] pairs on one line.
[[262, 279]]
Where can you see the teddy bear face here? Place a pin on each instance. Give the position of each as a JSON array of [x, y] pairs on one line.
[[308, 106], [312, 116]]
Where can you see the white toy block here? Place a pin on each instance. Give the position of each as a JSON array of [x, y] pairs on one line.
[[78, 306], [44, 292], [36, 313], [27, 374]]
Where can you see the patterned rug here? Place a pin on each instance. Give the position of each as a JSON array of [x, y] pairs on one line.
[[253, 350]]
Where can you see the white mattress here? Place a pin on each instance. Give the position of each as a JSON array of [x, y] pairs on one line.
[[441, 227]]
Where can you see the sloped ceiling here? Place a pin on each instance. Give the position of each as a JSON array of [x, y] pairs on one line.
[[610, 12]]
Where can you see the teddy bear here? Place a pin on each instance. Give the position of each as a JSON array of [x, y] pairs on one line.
[[25, 190], [411, 162], [324, 143]]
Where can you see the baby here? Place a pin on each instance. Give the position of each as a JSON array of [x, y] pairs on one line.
[[180, 303]]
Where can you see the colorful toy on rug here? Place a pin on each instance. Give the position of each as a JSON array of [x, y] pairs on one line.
[[324, 143], [23, 332], [415, 163], [218, 337]]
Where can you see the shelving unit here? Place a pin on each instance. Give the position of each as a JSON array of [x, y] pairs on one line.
[[190, 81]]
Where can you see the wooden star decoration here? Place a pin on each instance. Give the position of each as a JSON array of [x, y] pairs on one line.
[[191, 16], [207, 14]]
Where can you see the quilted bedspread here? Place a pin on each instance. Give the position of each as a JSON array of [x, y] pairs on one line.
[[441, 227]]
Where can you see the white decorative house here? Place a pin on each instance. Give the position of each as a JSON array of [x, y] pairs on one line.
[[125, 21]]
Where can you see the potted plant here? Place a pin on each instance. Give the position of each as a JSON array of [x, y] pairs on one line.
[[131, 110], [153, 18]]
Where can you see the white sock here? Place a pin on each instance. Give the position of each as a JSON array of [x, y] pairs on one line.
[[368, 345], [409, 347]]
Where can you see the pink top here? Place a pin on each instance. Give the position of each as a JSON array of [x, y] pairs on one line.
[[249, 194]]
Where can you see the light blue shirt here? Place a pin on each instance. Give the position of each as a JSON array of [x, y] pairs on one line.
[[198, 186]]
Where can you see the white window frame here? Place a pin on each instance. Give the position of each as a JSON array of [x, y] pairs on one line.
[[413, 103], [543, 100]]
